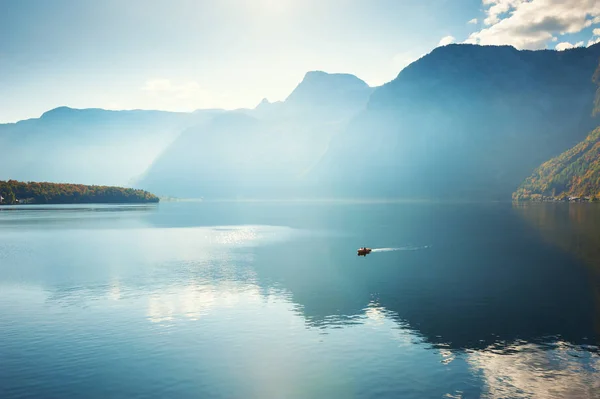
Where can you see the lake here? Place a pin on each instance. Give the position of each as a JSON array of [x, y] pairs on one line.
[[270, 300]]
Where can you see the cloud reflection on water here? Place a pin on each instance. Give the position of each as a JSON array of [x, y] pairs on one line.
[[525, 370]]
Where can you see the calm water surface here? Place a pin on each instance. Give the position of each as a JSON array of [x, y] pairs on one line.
[[269, 300]]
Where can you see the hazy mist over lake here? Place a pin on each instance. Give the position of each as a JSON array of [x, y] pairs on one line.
[[298, 199]]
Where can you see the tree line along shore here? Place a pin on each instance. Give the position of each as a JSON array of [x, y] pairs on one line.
[[14, 192]]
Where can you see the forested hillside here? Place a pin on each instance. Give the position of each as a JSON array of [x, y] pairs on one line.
[[13, 192], [574, 173], [260, 152]]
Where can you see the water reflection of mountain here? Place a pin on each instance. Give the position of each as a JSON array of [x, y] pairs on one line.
[[487, 278], [575, 229]]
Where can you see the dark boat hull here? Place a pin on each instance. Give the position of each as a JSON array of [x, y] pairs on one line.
[[363, 251]]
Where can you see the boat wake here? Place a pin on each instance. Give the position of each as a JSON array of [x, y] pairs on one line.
[[409, 248]]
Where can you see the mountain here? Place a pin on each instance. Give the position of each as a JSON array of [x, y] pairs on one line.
[[327, 96], [92, 146], [259, 152], [574, 173], [266, 109], [463, 121]]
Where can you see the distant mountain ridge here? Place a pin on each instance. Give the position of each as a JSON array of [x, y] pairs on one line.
[[92, 146], [332, 90], [463, 121], [259, 152], [320, 96], [97, 146]]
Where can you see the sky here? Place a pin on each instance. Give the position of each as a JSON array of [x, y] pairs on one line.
[[182, 55]]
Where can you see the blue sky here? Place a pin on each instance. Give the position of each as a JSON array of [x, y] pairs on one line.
[[190, 54]]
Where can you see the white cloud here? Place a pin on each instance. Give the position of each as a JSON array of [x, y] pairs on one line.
[[446, 40], [595, 39], [473, 21], [530, 24], [497, 9], [566, 45]]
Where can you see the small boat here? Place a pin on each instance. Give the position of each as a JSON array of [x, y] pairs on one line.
[[364, 251]]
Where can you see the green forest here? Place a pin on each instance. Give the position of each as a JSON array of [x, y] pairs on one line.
[[574, 173], [15, 192]]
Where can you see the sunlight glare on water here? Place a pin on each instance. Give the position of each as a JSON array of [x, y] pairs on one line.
[[172, 303]]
